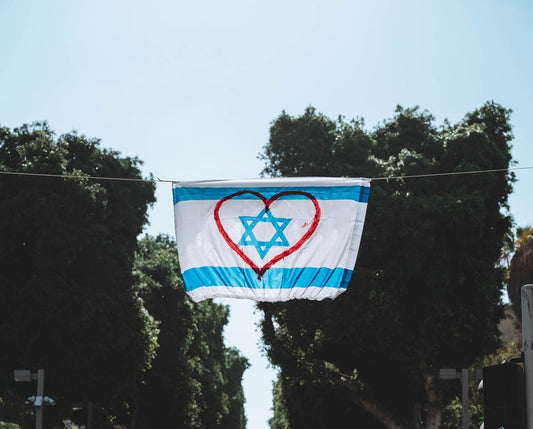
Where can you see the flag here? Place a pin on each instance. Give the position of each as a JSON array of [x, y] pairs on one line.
[[269, 239]]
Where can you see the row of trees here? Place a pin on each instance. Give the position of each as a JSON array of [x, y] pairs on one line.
[[194, 381], [426, 291], [105, 315]]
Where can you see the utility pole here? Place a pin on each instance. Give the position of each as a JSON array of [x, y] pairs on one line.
[[40, 395], [527, 344], [40, 400], [452, 373], [464, 387]]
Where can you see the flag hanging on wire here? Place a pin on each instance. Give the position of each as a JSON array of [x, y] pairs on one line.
[[269, 239]]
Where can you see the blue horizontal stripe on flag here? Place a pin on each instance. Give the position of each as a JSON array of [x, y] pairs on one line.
[[356, 193], [274, 278]]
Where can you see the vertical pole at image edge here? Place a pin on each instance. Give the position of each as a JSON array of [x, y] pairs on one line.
[[527, 344]]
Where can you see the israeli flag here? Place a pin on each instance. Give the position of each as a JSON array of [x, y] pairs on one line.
[[269, 239]]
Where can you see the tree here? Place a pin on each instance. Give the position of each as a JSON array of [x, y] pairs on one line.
[[426, 290], [521, 268], [165, 394], [195, 381], [452, 414], [235, 365], [66, 300]]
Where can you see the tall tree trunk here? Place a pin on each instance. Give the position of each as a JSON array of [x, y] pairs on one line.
[[89, 415], [382, 414], [433, 416], [378, 410], [134, 414]]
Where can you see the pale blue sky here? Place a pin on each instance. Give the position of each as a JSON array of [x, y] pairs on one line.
[[191, 87]]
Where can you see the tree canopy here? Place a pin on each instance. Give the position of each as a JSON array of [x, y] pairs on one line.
[[195, 381], [104, 314], [520, 268], [66, 255], [425, 292], [66, 301]]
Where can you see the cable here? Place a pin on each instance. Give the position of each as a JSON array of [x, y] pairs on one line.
[[74, 176], [413, 176], [454, 173]]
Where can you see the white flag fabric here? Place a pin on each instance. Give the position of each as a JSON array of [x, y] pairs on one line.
[[269, 239]]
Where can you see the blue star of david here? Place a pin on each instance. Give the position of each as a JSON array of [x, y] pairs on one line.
[[263, 247]]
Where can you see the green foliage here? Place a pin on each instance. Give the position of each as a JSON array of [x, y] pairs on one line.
[[105, 316], [425, 293], [280, 418], [521, 267], [164, 395], [66, 254], [235, 365], [4, 425], [324, 147], [452, 413], [195, 381], [300, 403]]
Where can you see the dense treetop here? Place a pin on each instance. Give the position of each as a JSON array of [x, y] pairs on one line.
[[104, 314], [426, 290], [66, 255]]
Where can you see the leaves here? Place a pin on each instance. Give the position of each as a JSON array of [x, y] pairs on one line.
[[195, 381], [67, 303], [426, 290], [106, 316], [521, 268]]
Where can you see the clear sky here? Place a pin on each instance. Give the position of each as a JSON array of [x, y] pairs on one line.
[[192, 87]]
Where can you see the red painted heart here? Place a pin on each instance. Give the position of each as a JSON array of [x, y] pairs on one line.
[[267, 203]]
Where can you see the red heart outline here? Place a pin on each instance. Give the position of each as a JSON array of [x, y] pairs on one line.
[[267, 202]]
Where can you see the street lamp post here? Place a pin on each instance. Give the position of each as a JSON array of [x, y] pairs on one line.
[[39, 401], [527, 344], [462, 374], [40, 396]]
